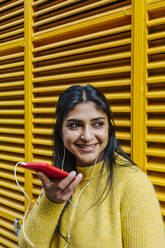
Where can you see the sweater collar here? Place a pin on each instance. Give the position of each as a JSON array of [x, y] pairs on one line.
[[95, 169]]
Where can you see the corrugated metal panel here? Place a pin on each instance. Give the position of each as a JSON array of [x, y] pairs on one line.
[[66, 43], [11, 115], [156, 98]]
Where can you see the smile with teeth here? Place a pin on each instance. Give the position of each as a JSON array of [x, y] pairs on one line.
[[87, 148]]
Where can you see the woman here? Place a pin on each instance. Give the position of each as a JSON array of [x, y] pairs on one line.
[[111, 203]]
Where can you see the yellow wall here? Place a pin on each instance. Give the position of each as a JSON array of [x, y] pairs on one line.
[[46, 46]]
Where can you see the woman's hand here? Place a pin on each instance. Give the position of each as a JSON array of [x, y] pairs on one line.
[[60, 191]]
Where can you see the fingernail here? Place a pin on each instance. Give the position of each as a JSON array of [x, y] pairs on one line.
[[72, 173], [80, 176]]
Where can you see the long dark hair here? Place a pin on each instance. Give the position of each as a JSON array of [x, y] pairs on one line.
[[67, 101]]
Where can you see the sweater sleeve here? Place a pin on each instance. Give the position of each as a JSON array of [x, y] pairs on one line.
[[40, 225], [142, 224]]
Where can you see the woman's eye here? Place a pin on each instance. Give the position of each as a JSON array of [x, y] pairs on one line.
[[98, 124], [73, 125]]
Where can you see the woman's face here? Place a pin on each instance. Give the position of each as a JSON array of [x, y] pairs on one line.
[[85, 133]]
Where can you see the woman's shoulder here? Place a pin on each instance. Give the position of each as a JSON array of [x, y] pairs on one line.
[[125, 171], [124, 166]]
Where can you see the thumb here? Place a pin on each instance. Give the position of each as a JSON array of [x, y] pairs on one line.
[[43, 178]]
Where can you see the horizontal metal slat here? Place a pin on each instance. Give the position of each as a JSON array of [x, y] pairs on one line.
[[9, 185], [36, 191], [10, 168], [43, 121], [156, 22], [12, 103], [11, 121], [156, 50], [11, 158], [99, 84], [111, 96], [118, 95], [54, 7], [10, 214], [155, 152], [156, 94], [12, 149], [154, 166], [156, 79], [96, 35], [11, 5], [156, 65], [12, 44], [13, 74], [153, 5], [12, 204], [38, 2], [157, 180], [156, 36], [11, 130], [86, 22], [6, 224], [42, 152], [82, 62], [123, 123], [123, 136], [11, 176], [163, 213], [66, 14], [12, 24], [11, 112], [12, 140], [12, 65], [12, 33], [12, 195], [13, 13], [156, 109], [11, 84], [155, 123], [12, 56], [126, 149], [12, 93], [36, 181], [5, 240], [42, 159], [42, 142], [9, 235], [42, 131], [156, 137], [121, 109], [85, 74], [121, 42], [161, 196]]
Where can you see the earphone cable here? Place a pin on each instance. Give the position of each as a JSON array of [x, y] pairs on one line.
[[15, 175]]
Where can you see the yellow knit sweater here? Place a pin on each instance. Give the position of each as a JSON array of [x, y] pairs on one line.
[[129, 217]]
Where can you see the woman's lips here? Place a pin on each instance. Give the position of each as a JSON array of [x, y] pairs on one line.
[[87, 148]]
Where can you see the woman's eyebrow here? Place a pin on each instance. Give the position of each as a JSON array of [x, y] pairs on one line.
[[73, 120], [98, 118], [94, 119]]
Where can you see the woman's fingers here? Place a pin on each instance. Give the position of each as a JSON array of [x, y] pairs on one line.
[[67, 180], [72, 186], [60, 190], [44, 179]]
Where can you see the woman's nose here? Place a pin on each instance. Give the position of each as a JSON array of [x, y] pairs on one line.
[[87, 135]]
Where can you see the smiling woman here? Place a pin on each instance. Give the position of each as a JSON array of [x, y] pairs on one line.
[[85, 133], [110, 203]]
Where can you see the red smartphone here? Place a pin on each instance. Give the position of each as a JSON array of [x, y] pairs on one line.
[[49, 170]]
